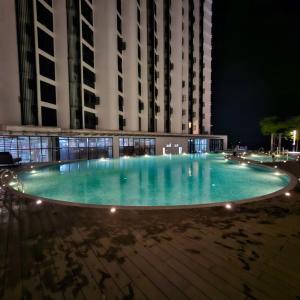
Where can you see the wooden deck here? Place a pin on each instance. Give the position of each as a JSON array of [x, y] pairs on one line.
[[51, 251]]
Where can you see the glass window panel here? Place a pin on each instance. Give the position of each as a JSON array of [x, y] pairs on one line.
[[82, 142], [46, 142], [92, 142], [125, 142], [46, 155], [108, 141], [25, 155], [130, 141], [73, 143], [1, 144], [35, 155], [121, 142], [63, 143], [35, 142], [14, 153], [23, 142], [10, 143], [64, 154]]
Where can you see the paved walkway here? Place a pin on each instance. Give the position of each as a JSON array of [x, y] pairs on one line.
[[52, 251]]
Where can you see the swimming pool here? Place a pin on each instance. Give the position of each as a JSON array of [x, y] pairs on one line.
[[152, 181]]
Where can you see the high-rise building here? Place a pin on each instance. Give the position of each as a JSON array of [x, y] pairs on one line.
[[119, 68]]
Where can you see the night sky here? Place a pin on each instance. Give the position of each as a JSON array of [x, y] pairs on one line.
[[256, 66]]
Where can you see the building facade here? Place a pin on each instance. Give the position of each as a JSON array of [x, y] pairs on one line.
[[129, 67]]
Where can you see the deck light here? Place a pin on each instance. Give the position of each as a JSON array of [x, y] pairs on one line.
[[113, 210], [277, 173], [287, 194], [243, 164], [228, 206], [31, 167], [6, 175], [275, 167], [39, 201], [284, 161]]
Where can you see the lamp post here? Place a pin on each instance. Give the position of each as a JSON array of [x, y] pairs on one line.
[[294, 133]]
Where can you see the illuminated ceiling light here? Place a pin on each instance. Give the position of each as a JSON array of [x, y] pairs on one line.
[[6, 175], [228, 206], [39, 201], [287, 194], [277, 173], [113, 210]]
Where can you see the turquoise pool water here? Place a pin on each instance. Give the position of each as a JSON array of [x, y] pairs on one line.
[[268, 158], [152, 181]]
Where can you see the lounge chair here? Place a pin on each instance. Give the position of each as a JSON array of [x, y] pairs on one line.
[[6, 159]]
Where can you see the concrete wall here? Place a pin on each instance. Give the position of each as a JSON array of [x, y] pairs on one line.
[[10, 110]]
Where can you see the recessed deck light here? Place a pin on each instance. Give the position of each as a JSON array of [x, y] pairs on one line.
[[287, 194], [113, 210], [228, 206], [39, 201]]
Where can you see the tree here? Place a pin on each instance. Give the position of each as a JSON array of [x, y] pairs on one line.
[[278, 128], [269, 126]]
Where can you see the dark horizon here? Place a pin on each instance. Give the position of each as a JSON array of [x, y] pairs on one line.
[[255, 66]]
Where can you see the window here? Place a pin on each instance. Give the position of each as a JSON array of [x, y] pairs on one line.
[[141, 106], [132, 146], [119, 6], [49, 2], [87, 34], [139, 52], [90, 120], [119, 24], [47, 68], [140, 124], [89, 99], [140, 88], [138, 15], [121, 103], [139, 70], [88, 55], [88, 77], [120, 122], [45, 42], [87, 12], [120, 84], [49, 117], [120, 69], [47, 92], [120, 44], [139, 33], [44, 16]]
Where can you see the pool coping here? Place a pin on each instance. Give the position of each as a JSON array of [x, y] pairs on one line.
[[293, 181]]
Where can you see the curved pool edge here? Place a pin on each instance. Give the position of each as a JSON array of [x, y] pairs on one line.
[[293, 181]]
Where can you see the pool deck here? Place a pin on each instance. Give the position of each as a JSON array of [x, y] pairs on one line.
[[52, 251]]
